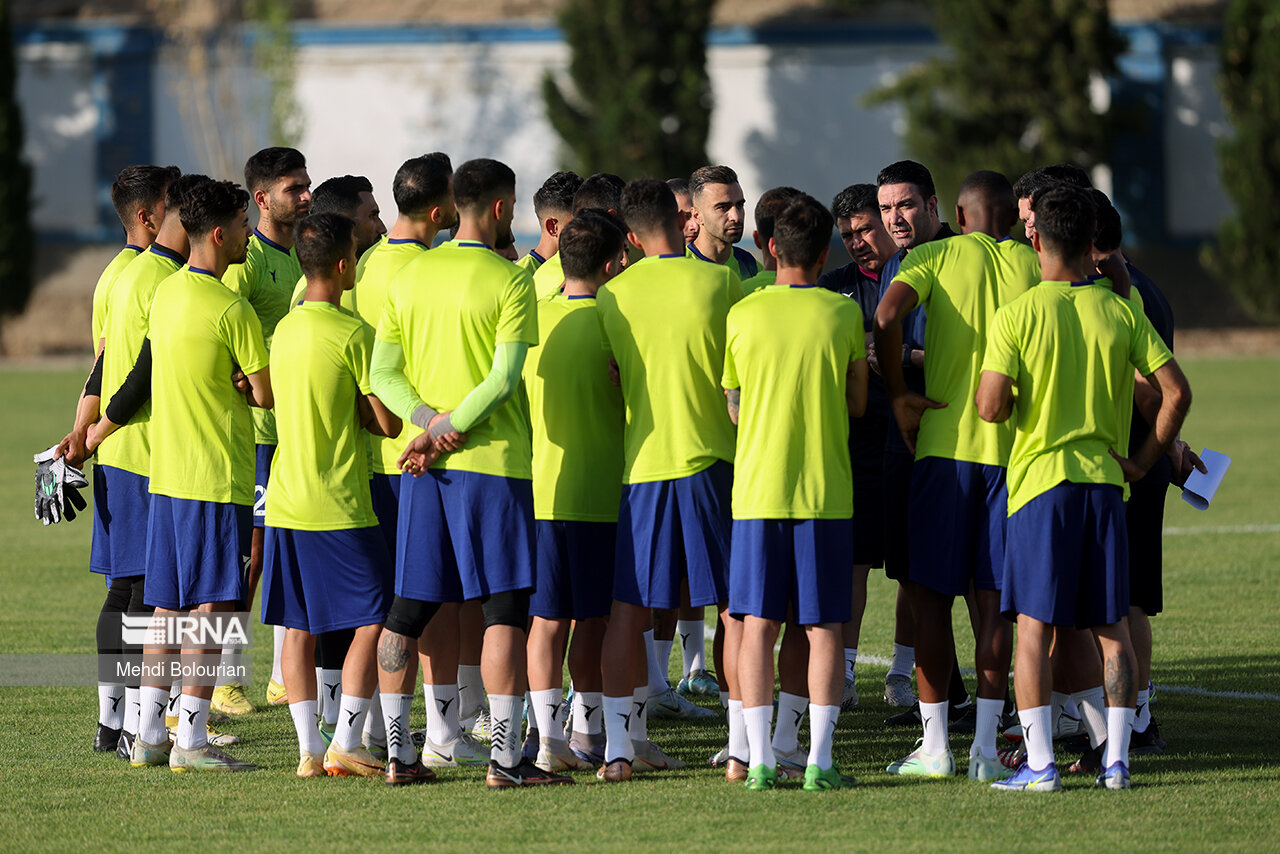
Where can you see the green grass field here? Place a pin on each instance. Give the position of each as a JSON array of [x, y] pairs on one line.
[[1216, 788]]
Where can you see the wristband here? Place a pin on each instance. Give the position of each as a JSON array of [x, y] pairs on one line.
[[422, 416]]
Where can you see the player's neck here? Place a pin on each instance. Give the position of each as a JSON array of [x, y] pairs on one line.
[[579, 288], [422, 230], [547, 246], [323, 290], [139, 237], [206, 256], [1056, 269], [477, 231], [788, 275], [668, 242], [712, 248], [770, 263], [275, 232]]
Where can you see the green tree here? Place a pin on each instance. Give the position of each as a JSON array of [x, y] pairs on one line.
[[1012, 90], [1249, 161], [16, 237], [640, 100]]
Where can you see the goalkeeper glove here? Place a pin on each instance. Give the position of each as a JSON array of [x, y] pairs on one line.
[[58, 488]]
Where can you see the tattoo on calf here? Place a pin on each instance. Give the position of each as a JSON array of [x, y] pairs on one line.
[[1119, 681], [393, 653]]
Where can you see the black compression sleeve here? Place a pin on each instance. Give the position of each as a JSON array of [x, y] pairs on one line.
[[93, 386], [136, 389]]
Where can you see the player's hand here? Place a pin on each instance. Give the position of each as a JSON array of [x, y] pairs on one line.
[[58, 488], [908, 409], [241, 382], [1132, 471], [73, 449], [442, 433], [873, 361], [1184, 460], [419, 455], [615, 376]]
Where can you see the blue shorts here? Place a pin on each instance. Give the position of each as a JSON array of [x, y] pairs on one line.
[[804, 563], [261, 474], [1066, 559], [385, 489], [121, 506], [463, 536], [672, 529], [956, 525], [197, 552], [575, 569], [323, 581], [895, 492]]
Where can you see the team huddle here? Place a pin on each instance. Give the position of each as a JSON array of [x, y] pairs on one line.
[[440, 455]]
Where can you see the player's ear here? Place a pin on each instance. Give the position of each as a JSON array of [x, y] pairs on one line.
[[773, 245], [755, 235], [260, 199], [1035, 240], [219, 235], [497, 207], [959, 216], [932, 205], [634, 240]]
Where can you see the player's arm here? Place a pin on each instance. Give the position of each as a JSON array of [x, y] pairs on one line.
[[1114, 268], [855, 387], [394, 391], [733, 399], [908, 407], [88, 409], [128, 399], [377, 418], [494, 390], [995, 397], [1175, 401], [259, 393]]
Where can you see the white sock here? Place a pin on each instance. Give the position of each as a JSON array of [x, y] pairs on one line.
[[505, 711], [319, 692], [303, 713], [331, 686], [657, 673], [739, 747], [175, 695], [693, 644], [639, 715], [617, 729], [586, 711], [985, 725], [546, 706], [132, 706], [111, 705], [934, 718], [375, 730], [850, 659], [822, 730], [1057, 704], [350, 722], [786, 732], [443, 724], [193, 722], [1119, 728], [470, 690], [153, 703], [756, 721], [277, 644], [232, 665], [1142, 717], [529, 720], [1037, 735], [395, 714], [1092, 705], [663, 650], [904, 661]]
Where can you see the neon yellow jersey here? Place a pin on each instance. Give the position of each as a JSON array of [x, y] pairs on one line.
[[102, 290], [374, 273], [266, 279], [1070, 349], [531, 262], [320, 472], [960, 282], [663, 320], [760, 280], [548, 278], [347, 300], [789, 351], [449, 309], [129, 448], [201, 430], [576, 413]]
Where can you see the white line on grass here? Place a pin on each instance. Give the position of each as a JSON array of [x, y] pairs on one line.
[[1222, 529]]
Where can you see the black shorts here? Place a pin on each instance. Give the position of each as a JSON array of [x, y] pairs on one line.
[[897, 500], [1144, 519], [866, 455]]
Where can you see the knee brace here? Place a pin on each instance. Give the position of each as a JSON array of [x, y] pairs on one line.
[[507, 609], [331, 648], [409, 617]]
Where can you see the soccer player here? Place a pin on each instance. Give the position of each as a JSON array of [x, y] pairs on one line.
[[553, 205], [663, 322], [577, 420], [452, 340], [957, 510], [601, 191], [1068, 348], [857, 216], [689, 225], [201, 455], [767, 210], [352, 197], [277, 180], [795, 369], [327, 568], [719, 209]]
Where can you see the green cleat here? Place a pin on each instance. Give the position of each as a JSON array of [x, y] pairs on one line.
[[142, 754], [921, 764], [326, 731], [818, 779], [762, 778], [206, 758]]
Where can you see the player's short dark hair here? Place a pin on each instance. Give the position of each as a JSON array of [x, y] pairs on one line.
[[588, 242], [908, 172], [209, 204], [1109, 231], [556, 194], [704, 175], [270, 165], [1066, 218], [802, 230], [772, 203], [1042, 177], [321, 240], [421, 183], [178, 188], [340, 195], [480, 181], [609, 216], [601, 190], [855, 199], [993, 190], [679, 186], [138, 187], [648, 205]]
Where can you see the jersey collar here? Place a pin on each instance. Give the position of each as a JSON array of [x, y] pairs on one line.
[[268, 241]]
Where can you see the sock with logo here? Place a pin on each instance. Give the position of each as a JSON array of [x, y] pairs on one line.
[[395, 714], [822, 730], [193, 722], [350, 722], [505, 713], [693, 644], [303, 713], [443, 725], [786, 732], [617, 728], [586, 711]]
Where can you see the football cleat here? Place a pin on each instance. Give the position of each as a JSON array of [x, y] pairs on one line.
[[818, 780], [463, 751], [524, 774], [206, 758], [125, 746], [650, 757], [1090, 762], [897, 691], [986, 770], [589, 747], [1148, 742], [311, 765], [797, 759], [670, 705], [352, 763], [617, 771], [554, 754], [921, 764], [143, 754], [849, 701], [106, 739], [1115, 777], [1026, 780], [701, 683], [403, 774], [735, 770], [762, 778], [231, 700], [276, 695]]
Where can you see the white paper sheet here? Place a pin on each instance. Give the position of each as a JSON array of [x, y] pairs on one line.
[[1200, 488]]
